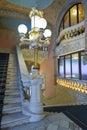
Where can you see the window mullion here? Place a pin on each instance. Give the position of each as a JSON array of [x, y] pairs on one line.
[[79, 58], [71, 64], [77, 14]]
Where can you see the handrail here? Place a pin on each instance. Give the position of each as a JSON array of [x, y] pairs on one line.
[[23, 68]]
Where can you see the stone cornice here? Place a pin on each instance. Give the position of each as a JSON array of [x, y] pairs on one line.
[[8, 9], [9, 14]]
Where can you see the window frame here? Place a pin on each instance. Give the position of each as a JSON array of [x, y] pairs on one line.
[[78, 20], [79, 65]]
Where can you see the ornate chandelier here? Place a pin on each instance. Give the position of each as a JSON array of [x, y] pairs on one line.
[[38, 36]]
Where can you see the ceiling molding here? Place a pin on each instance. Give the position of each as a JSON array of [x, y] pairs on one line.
[[8, 9], [13, 14]]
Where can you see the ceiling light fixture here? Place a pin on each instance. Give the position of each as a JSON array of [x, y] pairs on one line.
[[38, 36]]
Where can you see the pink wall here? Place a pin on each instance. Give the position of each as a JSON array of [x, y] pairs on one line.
[[8, 39], [47, 67]]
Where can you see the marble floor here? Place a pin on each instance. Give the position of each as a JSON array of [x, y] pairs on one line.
[[52, 121]]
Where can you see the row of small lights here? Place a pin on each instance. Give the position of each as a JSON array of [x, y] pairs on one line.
[[73, 85]]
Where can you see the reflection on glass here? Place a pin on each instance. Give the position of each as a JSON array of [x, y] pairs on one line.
[[75, 66], [61, 67], [66, 20], [67, 66], [81, 12], [84, 66], [73, 14]]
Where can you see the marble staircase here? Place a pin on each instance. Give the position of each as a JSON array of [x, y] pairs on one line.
[[12, 117], [12, 113], [3, 72]]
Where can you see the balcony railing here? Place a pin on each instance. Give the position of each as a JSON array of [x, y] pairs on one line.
[[71, 32]]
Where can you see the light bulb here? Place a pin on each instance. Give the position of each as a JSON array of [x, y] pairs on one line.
[[42, 23], [34, 21], [47, 33], [22, 28]]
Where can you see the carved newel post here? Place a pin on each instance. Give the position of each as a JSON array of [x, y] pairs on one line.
[[35, 105]]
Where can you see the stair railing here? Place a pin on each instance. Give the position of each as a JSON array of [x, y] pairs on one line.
[[24, 77]]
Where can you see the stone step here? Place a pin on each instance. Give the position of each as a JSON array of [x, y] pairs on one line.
[[12, 89], [3, 65], [12, 60], [14, 119], [2, 84], [10, 71], [13, 70], [11, 100], [1, 97], [11, 92], [12, 96], [8, 86], [12, 108], [12, 78], [9, 96], [14, 64], [12, 74], [2, 90], [9, 80], [12, 67], [12, 114], [11, 84]]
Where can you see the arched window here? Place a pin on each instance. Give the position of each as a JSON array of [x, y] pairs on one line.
[[73, 16]]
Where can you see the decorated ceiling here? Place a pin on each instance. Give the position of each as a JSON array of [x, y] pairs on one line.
[[14, 12], [33, 3]]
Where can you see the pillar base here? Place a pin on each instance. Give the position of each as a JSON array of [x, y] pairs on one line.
[[36, 117], [33, 117], [34, 108]]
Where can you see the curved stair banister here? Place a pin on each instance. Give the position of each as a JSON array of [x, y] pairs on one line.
[[24, 77], [22, 66]]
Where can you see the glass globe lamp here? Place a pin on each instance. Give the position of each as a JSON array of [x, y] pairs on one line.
[[47, 33], [22, 29]]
